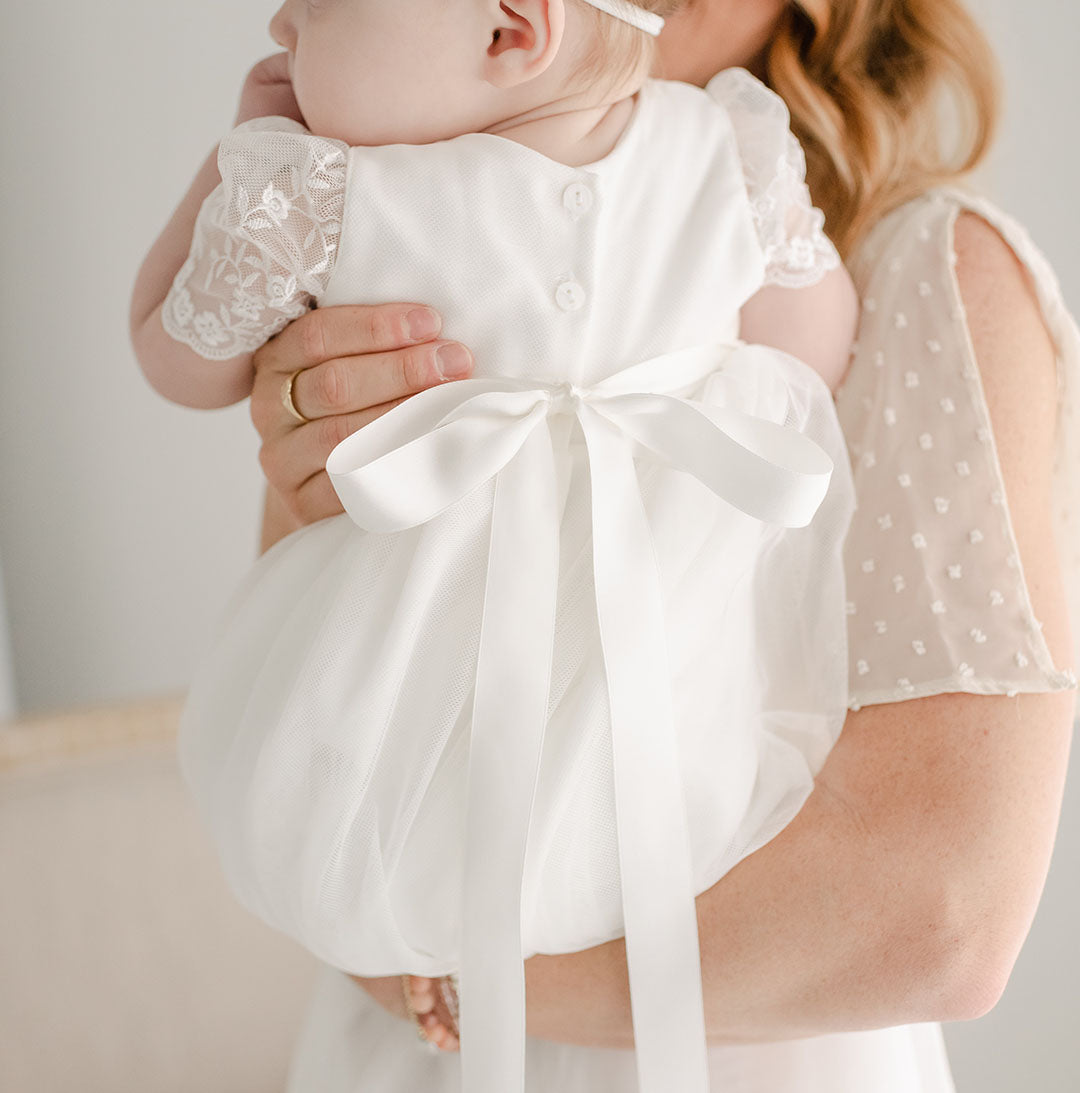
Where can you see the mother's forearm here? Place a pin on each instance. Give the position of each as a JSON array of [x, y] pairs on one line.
[[902, 891], [813, 933]]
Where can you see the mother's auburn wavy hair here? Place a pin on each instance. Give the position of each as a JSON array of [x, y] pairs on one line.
[[873, 87]]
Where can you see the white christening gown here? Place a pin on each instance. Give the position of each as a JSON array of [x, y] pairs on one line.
[[579, 645]]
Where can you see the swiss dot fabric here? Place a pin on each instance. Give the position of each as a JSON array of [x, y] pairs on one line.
[[937, 596]]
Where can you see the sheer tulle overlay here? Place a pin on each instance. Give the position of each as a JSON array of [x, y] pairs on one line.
[[327, 733]]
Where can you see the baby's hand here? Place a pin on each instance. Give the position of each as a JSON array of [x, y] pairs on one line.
[[268, 92], [436, 1010], [429, 1000]]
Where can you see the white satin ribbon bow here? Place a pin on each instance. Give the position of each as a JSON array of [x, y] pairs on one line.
[[427, 453]]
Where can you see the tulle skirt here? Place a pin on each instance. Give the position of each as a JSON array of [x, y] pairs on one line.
[[327, 732]]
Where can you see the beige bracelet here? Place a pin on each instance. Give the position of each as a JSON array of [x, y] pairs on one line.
[[448, 988]]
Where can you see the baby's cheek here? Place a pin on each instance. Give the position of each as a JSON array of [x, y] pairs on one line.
[[314, 96], [328, 100]]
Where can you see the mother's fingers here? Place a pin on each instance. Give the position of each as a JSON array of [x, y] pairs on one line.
[[291, 457], [348, 359], [294, 461], [347, 331], [314, 500], [345, 384]]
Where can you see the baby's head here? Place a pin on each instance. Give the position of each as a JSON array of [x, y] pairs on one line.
[[415, 71]]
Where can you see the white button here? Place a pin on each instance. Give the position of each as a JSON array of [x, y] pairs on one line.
[[577, 198], [570, 296]]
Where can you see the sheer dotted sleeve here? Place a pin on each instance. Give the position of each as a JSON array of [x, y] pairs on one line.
[[938, 600], [790, 228], [264, 242]]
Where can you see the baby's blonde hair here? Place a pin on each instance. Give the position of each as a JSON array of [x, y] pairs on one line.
[[888, 97], [618, 50]]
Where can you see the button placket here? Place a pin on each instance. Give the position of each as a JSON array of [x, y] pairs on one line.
[[578, 199]]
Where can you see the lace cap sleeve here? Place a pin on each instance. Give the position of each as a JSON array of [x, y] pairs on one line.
[[264, 242], [790, 228]]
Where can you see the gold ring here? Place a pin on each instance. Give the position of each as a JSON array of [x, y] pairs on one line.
[[287, 397]]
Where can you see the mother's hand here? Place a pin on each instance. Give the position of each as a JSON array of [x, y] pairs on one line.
[[352, 364]]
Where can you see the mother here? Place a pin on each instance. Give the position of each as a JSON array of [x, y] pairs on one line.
[[902, 892]]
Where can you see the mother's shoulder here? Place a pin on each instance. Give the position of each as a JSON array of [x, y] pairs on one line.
[[950, 272], [934, 219], [959, 241], [968, 261]]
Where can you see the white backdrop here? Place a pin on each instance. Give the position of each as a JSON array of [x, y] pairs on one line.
[[125, 521]]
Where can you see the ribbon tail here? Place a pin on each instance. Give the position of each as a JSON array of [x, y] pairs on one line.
[[770, 471], [654, 845], [509, 716]]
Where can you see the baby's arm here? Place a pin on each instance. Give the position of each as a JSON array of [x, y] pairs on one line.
[[173, 369], [816, 324], [808, 306], [172, 365]]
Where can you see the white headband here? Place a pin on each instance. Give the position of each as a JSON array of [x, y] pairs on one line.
[[632, 14]]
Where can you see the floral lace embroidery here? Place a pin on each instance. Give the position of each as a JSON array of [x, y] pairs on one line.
[[265, 239]]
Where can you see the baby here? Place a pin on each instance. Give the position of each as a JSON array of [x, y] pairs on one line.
[[577, 646]]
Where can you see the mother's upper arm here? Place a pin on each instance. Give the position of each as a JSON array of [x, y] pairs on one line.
[[1017, 363], [963, 792]]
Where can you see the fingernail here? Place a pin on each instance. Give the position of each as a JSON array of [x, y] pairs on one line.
[[453, 360], [422, 324]]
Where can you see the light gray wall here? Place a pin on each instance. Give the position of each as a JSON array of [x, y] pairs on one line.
[[126, 521], [7, 674]]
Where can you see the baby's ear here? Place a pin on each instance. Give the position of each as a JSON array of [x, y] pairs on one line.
[[525, 39]]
